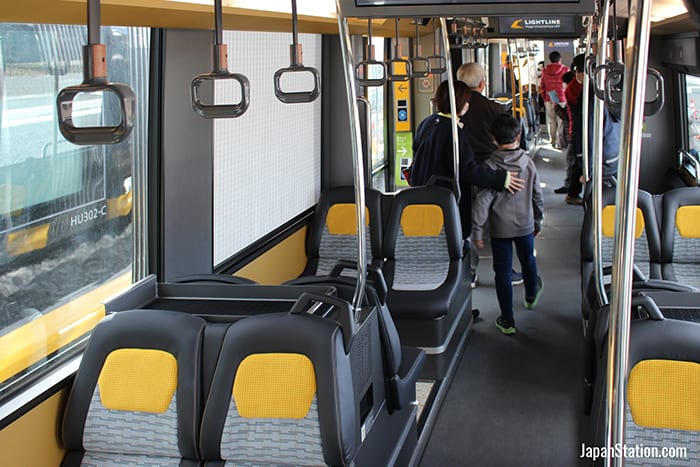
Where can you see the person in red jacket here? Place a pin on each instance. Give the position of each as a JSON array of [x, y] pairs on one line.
[[552, 91]]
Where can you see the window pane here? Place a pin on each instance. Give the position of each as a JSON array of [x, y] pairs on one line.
[[267, 163], [693, 106], [376, 98], [66, 231]]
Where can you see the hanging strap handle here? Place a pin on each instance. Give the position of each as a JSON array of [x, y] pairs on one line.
[[420, 66], [481, 40], [438, 63], [393, 73], [600, 83], [220, 73], [363, 68], [589, 65], [613, 92], [95, 80], [296, 66]]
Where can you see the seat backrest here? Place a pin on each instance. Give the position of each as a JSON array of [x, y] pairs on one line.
[[647, 249], [647, 245], [680, 239], [663, 389], [375, 296], [423, 235], [333, 232], [136, 399], [282, 393]]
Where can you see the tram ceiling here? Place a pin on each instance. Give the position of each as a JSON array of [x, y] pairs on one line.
[[315, 16], [318, 16]]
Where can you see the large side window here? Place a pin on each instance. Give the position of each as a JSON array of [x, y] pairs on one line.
[[267, 163], [66, 233], [377, 98], [693, 105]]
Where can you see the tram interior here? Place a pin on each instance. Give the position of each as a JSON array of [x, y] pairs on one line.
[[352, 334]]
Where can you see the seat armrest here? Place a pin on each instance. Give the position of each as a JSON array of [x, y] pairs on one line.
[[402, 387]]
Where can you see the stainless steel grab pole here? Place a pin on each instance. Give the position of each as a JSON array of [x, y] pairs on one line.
[[357, 160], [453, 111], [598, 158], [636, 58]]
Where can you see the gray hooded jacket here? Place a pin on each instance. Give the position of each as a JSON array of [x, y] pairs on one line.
[[509, 215]]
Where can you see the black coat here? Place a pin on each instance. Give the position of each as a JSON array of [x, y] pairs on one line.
[[477, 123]]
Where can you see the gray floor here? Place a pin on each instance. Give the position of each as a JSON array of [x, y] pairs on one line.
[[515, 400]]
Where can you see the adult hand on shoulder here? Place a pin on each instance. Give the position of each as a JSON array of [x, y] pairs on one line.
[[516, 184]]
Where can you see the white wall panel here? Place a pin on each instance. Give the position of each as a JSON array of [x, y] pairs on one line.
[[267, 162]]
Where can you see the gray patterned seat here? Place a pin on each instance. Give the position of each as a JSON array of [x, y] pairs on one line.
[[136, 397], [663, 393], [282, 394], [333, 233], [428, 288], [680, 236], [647, 245]]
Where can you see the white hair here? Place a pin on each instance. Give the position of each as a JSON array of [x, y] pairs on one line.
[[471, 74]]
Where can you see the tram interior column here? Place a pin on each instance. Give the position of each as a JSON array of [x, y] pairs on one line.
[[187, 160]]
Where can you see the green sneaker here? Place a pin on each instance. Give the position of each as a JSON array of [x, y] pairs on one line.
[[530, 302], [506, 327]]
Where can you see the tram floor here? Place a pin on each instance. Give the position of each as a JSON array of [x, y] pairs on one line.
[[516, 400]]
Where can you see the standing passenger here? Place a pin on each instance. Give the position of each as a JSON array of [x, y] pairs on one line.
[[482, 111], [512, 218], [552, 91], [477, 123], [433, 155], [564, 113], [611, 136]]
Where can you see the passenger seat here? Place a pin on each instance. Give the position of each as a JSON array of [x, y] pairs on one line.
[[429, 293], [136, 399], [681, 236], [332, 235], [282, 394], [663, 391]]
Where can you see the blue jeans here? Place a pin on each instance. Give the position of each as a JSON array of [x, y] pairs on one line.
[[503, 266]]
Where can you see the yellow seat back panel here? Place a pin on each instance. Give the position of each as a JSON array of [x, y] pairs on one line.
[[274, 385], [341, 219], [140, 380], [665, 394], [422, 220], [608, 222], [688, 221]]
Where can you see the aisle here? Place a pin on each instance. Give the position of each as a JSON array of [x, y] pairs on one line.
[[515, 400]]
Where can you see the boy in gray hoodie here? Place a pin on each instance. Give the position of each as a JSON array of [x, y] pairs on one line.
[[512, 218]]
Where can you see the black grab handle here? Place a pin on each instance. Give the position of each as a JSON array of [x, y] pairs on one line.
[[220, 73], [95, 80], [341, 312], [363, 69], [296, 65], [297, 97]]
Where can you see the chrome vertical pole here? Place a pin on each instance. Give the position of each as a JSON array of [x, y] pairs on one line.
[[636, 59], [453, 109], [598, 159], [357, 160]]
